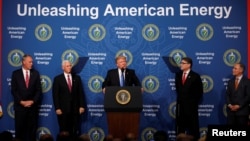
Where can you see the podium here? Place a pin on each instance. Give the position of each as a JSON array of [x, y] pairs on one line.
[[123, 106]]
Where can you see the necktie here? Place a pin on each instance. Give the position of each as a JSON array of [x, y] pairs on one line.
[[69, 83], [183, 78], [27, 79], [236, 83], [121, 80]]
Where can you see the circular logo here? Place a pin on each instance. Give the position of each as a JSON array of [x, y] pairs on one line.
[[172, 109], [43, 32], [204, 32], [70, 55], [127, 54], [41, 131], [96, 134], [94, 84], [123, 97], [150, 84], [176, 56], [97, 32], [148, 134], [150, 32], [46, 83], [15, 57], [231, 57], [203, 131], [207, 83], [10, 110]]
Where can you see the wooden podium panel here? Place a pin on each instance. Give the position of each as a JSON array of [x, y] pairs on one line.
[[123, 106], [122, 123]]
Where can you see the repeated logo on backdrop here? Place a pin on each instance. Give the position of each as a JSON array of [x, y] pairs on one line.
[[15, 57], [150, 32], [176, 56], [204, 32], [231, 57], [97, 32], [70, 55], [41, 131], [43, 32], [95, 83], [148, 134], [96, 134], [46, 83]]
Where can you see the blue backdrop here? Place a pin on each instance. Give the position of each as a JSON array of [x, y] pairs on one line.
[[154, 35]]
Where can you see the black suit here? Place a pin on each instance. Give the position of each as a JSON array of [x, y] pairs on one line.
[[68, 102], [26, 118], [241, 97], [112, 78], [189, 95]]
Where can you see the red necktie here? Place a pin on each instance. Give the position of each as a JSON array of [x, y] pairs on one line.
[[183, 78], [236, 83], [69, 83], [27, 79]]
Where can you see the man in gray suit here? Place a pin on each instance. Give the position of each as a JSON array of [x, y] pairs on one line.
[[238, 96]]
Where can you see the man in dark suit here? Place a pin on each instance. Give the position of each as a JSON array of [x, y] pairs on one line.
[[238, 97], [113, 77], [189, 90], [69, 100], [121, 76], [26, 90]]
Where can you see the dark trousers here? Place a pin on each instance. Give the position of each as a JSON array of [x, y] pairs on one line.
[[237, 120], [69, 123], [187, 120], [26, 124]]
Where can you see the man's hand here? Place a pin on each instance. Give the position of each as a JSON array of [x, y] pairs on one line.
[[58, 111], [27, 103], [103, 90], [81, 110]]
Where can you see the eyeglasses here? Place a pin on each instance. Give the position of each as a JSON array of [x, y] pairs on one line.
[[184, 63]]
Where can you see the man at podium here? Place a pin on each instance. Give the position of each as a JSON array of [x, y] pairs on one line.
[[121, 76], [120, 121]]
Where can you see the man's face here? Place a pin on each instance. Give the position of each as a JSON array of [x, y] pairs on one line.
[[28, 63], [237, 70], [67, 67], [121, 63], [184, 65]]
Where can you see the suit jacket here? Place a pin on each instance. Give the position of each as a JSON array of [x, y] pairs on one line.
[[112, 78], [241, 96], [20, 92], [68, 102], [192, 90]]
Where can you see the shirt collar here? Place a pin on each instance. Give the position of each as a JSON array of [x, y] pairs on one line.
[[187, 72], [239, 77]]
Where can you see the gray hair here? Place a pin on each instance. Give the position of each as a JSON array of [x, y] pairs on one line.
[[66, 61]]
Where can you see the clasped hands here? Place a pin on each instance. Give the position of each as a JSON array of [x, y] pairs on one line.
[[59, 111], [234, 107]]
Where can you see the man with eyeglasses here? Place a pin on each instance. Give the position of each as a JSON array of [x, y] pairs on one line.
[[189, 91]]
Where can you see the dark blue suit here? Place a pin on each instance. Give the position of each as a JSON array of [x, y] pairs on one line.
[[241, 97], [68, 102], [26, 117], [112, 78]]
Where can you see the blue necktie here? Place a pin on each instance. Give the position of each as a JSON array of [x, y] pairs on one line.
[[121, 80]]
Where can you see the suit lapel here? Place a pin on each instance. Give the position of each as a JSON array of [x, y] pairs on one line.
[[117, 76], [188, 78]]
